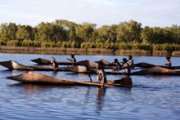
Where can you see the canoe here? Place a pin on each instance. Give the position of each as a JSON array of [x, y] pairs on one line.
[[36, 78], [151, 71], [148, 65], [148, 71], [12, 65], [42, 61], [158, 71], [144, 65]]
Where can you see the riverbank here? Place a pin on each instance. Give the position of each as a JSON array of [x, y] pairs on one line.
[[85, 51]]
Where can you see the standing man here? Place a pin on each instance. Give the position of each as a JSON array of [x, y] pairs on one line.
[[101, 75], [54, 63]]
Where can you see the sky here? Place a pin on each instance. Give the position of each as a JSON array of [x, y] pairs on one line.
[[151, 13]]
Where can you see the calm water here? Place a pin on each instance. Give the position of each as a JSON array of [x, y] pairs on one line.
[[151, 97]]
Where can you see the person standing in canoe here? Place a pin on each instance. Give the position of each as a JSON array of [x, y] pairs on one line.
[[101, 75], [168, 61], [54, 63], [126, 66], [130, 61]]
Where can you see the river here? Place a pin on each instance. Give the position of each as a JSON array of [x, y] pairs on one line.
[[151, 97]]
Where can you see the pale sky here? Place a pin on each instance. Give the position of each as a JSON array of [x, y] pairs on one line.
[[101, 12]]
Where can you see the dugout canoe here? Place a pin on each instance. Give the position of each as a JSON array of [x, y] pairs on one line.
[[36, 78], [148, 65], [151, 71], [13, 65], [42, 61], [158, 71], [148, 71]]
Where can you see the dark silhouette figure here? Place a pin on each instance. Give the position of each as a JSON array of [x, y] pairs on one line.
[[126, 67], [168, 61], [117, 65]]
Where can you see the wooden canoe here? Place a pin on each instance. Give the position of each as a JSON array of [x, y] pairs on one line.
[[148, 71], [148, 65], [151, 71], [36, 78], [42, 61], [12, 65], [158, 71]]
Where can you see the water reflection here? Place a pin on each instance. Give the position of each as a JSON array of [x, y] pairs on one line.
[[101, 92], [33, 89], [87, 94], [100, 95], [28, 88]]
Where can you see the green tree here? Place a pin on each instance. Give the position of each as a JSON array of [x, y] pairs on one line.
[[25, 32], [8, 32], [50, 32], [70, 27], [107, 33], [175, 30], [147, 35], [86, 31], [129, 31]]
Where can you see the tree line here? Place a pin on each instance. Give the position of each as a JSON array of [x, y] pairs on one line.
[[63, 33]]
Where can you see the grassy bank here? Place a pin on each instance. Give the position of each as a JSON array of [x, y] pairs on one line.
[[95, 51]]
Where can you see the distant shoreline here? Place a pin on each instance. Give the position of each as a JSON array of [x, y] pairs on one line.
[[85, 51]]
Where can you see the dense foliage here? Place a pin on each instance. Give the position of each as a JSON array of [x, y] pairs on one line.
[[67, 34]]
